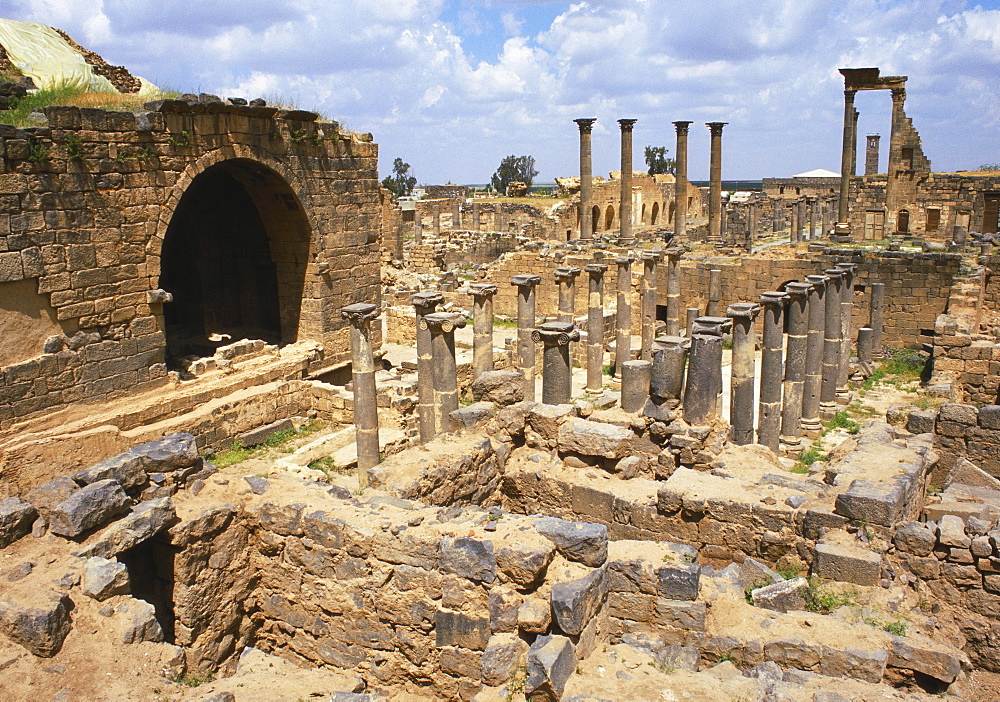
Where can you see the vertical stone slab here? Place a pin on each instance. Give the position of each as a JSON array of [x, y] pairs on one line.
[[769, 417], [636, 378], [625, 215], [586, 125], [876, 311], [795, 364], [715, 183], [360, 316], [831, 343], [623, 314], [846, 327], [566, 280], [525, 285], [673, 255], [475, 216], [442, 326], [741, 395], [649, 287], [456, 215], [595, 326], [680, 180], [704, 378], [810, 424], [482, 327], [669, 360], [424, 303], [714, 308], [557, 379]]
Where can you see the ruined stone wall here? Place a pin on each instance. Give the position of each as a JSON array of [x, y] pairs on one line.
[[971, 364], [963, 431], [791, 188]]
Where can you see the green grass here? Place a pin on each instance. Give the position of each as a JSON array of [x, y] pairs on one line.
[[807, 458], [820, 598], [842, 420], [192, 679], [18, 116], [237, 452], [327, 465], [788, 572], [896, 628], [504, 323]]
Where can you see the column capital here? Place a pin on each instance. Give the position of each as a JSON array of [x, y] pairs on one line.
[[359, 313], [710, 326], [674, 252], [848, 268], [773, 298], [798, 290], [849, 96], [566, 273], [716, 127], [626, 124], [818, 282], [443, 321], [585, 124], [648, 256], [526, 280], [555, 333], [743, 310], [623, 261], [682, 126], [483, 289], [664, 342], [428, 299], [898, 94], [835, 275], [596, 269]]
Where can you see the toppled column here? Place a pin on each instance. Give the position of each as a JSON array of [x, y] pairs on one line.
[[595, 327], [557, 380], [769, 417], [715, 183], [625, 216], [424, 304], [865, 346], [810, 424], [360, 315], [482, 327], [741, 391], [442, 326], [680, 180], [525, 326], [636, 376], [846, 332], [566, 280], [436, 219], [674, 254], [831, 343], [795, 364], [649, 285], [586, 175], [876, 311], [714, 308], [704, 378], [669, 359], [623, 315]]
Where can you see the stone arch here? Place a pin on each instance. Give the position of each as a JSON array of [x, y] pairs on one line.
[[654, 213], [671, 212], [642, 216], [609, 217], [595, 217]]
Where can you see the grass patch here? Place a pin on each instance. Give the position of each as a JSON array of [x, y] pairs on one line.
[[823, 599], [327, 465], [237, 452], [896, 628], [79, 97], [842, 420], [191, 679], [504, 323], [788, 572], [806, 459]]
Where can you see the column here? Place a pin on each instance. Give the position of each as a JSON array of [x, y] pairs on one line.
[[769, 413], [557, 385], [715, 183], [360, 315], [752, 226], [623, 314], [803, 218], [865, 347], [397, 249], [846, 161], [692, 313], [418, 229], [586, 223], [636, 376], [741, 395], [827, 206], [669, 359], [442, 326], [525, 326], [475, 216], [854, 143], [875, 312], [566, 281], [625, 216], [813, 206], [810, 424], [482, 327], [595, 327], [680, 180], [714, 308], [424, 304], [436, 219], [704, 381], [795, 364], [456, 215], [778, 217], [831, 343], [793, 235], [674, 254], [649, 285], [846, 332]]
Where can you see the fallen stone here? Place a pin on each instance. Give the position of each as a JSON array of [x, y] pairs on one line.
[[921, 421], [915, 538], [172, 452], [504, 654], [139, 621], [475, 413], [525, 563], [631, 466], [551, 661], [103, 578], [928, 658], [503, 387], [87, 508], [470, 558], [847, 564], [754, 573], [590, 438], [39, 621], [968, 473], [127, 468], [873, 503], [258, 485], [575, 602], [583, 542], [951, 532], [145, 521], [534, 615], [785, 596], [46, 496], [20, 572], [16, 518]]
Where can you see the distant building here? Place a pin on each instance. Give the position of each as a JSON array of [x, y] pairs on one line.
[[815, 183]]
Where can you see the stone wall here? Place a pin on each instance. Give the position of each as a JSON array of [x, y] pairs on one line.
[[963, 431]]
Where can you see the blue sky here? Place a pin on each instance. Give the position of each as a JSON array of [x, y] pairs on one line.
[[453, 86]]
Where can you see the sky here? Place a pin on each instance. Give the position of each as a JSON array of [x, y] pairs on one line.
[[453, 86]]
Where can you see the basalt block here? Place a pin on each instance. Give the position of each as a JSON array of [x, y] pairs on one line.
[[551, 661], [578, 541], [39, 621], [16, 518], [575, 602], [87, 508]]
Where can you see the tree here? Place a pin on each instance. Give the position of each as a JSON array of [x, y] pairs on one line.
[[656, 159], [989, 167], [514, 169], [400, 182]]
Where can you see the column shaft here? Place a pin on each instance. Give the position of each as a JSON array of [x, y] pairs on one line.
[[636, 377], [795, 364], [714, 308], [586, 222], [704, 378], [625, 216], [715, 183], [875, 315], [557, 381], [669, 359], [442, 326], [424, 304], [525, 326], [482, 328], [769, 417], [360, 316], [831, 344], [846, 161], [741, 395], [674, 290], [623, 314], [595, 327], [814, 355], [649, 287], [566, 280], [846, 326], [680, 181]]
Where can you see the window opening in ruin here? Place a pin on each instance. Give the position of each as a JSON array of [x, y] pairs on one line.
[[150, 567], [903, 222], [906, 159], [781, 190], [933, 219], [642, 217], [609, 217], [671, 212], [991, 213], [595, 217], [661, 313], [655, 213]]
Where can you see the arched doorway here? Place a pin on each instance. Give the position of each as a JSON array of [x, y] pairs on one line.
[[642, 217], [234, 258], [595, 217], [655, 213], [671, 212], [609, 217], [903, 222]]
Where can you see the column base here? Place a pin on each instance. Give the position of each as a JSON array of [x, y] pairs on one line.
[[811, 428], [827, 410], [791, 445]]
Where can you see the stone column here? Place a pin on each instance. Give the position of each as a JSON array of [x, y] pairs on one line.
[[680, 180], [525, 326], [795, 364], [649, 286], [826, 206], [778, 216], [424, 304], [704, 378], [397, 249], [595, 327], [804, 219], [715, 183], [482, 327], [456, 215], [566, 280], [475, 216], [669, 359], [793, 235], [674, 254], [752, 226], [692, 313], [625, 216], [871, 155], [636, 376], [875, 312], [557, 380], [741, 391], [714, 308], [623, 314], [418, 229], [865, 345], [897, 125], [846, 162], [831, 343], [846, 327], [442, 326], [813, 217], [810, 424], [854, 143], [586, 223], [769, 414], [436, 220], [360, 316]]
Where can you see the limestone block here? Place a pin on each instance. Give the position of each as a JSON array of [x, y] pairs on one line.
[[534, 615], [915, 538], [543, 422], [39, 621], [551, 661], [145, 521], [470, 558], [578, 541], [782, 597], [989, 417], [16, 518], [575, 602], [591, 438], [525, 562], [504, 654], [47, 495], [102, 578], [469, 417], [258, 436], [951, 532], [87, 508], [847, 564], [503, 387], [936, 660]]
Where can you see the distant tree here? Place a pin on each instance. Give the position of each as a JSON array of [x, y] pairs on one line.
[[989, 167], [514, 169], [400, 182], [656, 159]]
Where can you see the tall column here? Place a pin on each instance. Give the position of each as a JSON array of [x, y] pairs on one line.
[[418, 229], [769, 417], [525, 326], [424, 304], [586, 222], [360, 316], [715, 183], [793, 235], [669, 360], [803, 218], [778, 217], [871, 155], [475, 216], [482, 327], [813, 207], [623, 314], [854, 140], [846, 327], [442, 326], [875, 315], [566, 280], [649, 286], [810, 423], [795, 364], [741, 390], [831, 343], [456, 215], [752, 225], [557, 385], [636, 377], [674, 254], [681, 181], [625, 216], [826, 207], [714, 308], [436, 219], [397, 249], [704, 381], [595, 327], [846, 163]]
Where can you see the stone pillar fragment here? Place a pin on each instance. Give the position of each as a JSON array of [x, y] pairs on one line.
[[674, 254], [669, 359], [704, 378], [436, 220], [846, 327], [442, 326], [557, 381], [636, 376], [482, 327], [875, 315], [456, 215], [714, 308], [752, 225], [769, 417], [778, 217], [831, 343], [525, 285], [810, 424], [741, 398], [865, 345], [418, 230], [825, 207], [649, 286], [691, 314], [623, 314], [793, 235], [586, 176], [680, 181], [795, 364], [566, 280], [715, 182], [360, 315], [595, 327], [475, 216], [424, 304], [813, 217], [625, 216]]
